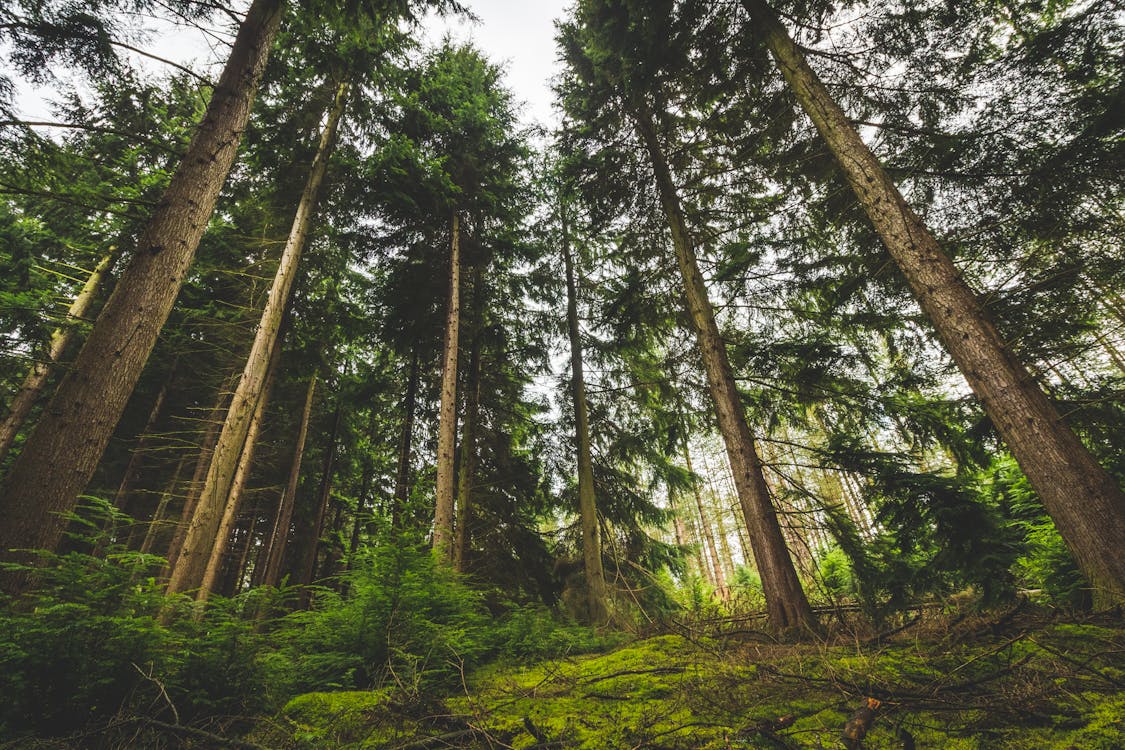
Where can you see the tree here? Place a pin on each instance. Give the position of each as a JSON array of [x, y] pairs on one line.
[[1085, 502]]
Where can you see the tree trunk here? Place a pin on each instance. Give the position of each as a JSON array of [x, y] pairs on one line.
[[63, 451], [245, 463], [271, 571], [1086, 504], [447, 417], [705, 529], [402, 475], [587, 499], [467, 464], [189, 571], [785, 599], [61, 337], [306, 559]]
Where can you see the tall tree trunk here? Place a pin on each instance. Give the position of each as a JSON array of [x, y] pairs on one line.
[[189, 571], [63, 451], [61, 337], [238, 486], [785, 599], [587, 499], [271, 570], [1085, 502], [447, 416], [405, 455], [305, 565], [467, 463]]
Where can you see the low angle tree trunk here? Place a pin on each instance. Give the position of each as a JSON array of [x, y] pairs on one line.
[[447, 415], [467, 464], [1085, 502], [66, 444], [785, 599], [188, 573]]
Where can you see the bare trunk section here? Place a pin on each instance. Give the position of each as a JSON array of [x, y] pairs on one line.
[[201, 535], [587, 499], [785, 599], [1086, 504], [63, 451], [467, 463], [405, 454], [271, 570], [61, 338], [447, 416], [238, 486]]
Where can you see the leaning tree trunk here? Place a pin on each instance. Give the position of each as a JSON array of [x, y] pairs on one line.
[[271, 570], [36, 380], [238, 486], [68, 442], [201, 535], [587, 500], [447, 416], [1085, 502], [467, 464], [785, 599]]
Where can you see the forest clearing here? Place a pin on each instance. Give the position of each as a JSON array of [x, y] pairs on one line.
[[602, 374]]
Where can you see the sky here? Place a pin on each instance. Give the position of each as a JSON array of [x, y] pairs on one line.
[[517, 34]]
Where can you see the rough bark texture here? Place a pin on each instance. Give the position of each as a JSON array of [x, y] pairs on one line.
[[405, 454], [785, 599], [64, 449], [467, 463], [234, 501], [1086, 504], [36, 380], [587, 500], [271, 570], [447, 416], [201, 535]]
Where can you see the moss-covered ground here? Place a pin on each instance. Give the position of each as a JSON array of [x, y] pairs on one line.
[[1020, 681]]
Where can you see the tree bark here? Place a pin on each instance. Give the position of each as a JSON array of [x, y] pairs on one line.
[[447, 416], [587, 499], [402, 475], [467, 463], [786, 603], [63, 451], [1086, 504], [271, 572], [238, 486], [189, 571], [61, 337]]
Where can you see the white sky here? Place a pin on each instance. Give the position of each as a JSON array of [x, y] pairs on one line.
[[520, 35]]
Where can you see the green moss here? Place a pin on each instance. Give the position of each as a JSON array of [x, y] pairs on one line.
[[360, 719]]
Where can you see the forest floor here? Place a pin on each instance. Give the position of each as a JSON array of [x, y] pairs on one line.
[[1020, 679]]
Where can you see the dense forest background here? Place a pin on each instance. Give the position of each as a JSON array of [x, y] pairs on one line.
[[323, 372]]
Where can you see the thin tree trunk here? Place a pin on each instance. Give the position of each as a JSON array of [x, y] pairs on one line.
[[202, 461], [306, 559], [162, 507], [36, 380], [136, 458], [786, 603], [708, 533], [66, 445], [587, 499], [1085, 502], [467, 463], [447, 417], [241, 476], [189, 571], [271, 571], [402, 475]]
